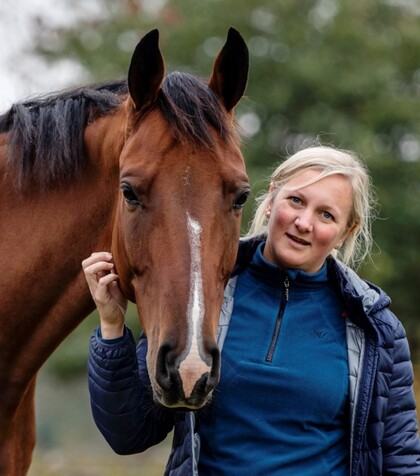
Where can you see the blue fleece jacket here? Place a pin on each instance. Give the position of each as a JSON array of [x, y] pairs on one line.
[[281, 406]]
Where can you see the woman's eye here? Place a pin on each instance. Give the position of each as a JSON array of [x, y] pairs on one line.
[[129, 196], [296, 200], [327, 216], [240, 201]]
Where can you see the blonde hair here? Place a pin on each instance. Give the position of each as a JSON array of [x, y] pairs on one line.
[[329, 161]]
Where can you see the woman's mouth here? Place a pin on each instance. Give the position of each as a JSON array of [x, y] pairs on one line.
[[297, 240]]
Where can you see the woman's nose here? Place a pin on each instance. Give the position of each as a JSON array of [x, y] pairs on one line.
[[303, 223]]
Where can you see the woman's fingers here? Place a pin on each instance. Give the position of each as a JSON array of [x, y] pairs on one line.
[[96, 267], [99, 268], [104, 288], [96, 257], [97, 262], [103, 285]]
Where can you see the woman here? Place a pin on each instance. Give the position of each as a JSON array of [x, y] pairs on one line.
[[316, 375]]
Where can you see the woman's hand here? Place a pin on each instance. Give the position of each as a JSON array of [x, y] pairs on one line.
[[103, 285]]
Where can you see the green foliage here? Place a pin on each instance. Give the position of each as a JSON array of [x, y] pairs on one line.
[[70, 359], [342, 72]]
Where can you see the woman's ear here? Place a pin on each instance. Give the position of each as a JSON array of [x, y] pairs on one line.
[[272, 187], [346, 234]]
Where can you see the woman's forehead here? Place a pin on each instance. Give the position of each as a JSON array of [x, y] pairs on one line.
[[309, 176]]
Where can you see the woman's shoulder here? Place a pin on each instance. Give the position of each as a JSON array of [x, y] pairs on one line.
[[354, 286], [364, 296]]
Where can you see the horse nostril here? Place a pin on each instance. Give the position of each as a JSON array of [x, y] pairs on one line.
[[165, 367], [202, 385], [213, 378]]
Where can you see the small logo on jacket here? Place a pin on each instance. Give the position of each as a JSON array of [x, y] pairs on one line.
[[319, 334]]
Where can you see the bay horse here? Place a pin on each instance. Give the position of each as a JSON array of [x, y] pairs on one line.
[[149, 169]]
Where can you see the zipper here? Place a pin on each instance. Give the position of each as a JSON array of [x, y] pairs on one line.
[[365, 381], [276, 332]]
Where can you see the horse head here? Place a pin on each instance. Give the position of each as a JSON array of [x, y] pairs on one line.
[[183, 184]]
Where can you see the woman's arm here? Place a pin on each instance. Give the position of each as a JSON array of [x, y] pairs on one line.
[[401, 443], [121, 397]]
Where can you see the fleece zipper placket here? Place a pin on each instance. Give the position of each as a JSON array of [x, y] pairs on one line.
[[276, 332]]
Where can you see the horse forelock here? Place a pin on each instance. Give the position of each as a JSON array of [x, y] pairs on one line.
[[192, 110], [46, 133]]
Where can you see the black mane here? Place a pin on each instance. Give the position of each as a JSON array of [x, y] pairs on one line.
[[46, 133]]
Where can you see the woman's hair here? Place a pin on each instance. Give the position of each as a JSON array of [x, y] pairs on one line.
[[329, 161]]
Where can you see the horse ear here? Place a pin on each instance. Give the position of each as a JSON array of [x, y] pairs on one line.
[[146, 72], [230, 70]]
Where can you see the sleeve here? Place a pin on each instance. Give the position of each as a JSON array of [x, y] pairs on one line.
[[401, 443], [121, 397]]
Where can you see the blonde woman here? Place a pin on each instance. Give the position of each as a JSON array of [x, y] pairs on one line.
[[316, 376]]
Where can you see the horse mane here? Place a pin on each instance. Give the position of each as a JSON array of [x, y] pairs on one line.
[[46, 133]]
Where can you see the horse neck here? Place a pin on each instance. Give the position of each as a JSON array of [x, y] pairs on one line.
[[104, 140], [59, 228]]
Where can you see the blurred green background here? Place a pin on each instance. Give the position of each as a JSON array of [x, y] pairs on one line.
[[344, 72]]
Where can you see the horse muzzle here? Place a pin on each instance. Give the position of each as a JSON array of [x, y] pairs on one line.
[[186, 382]]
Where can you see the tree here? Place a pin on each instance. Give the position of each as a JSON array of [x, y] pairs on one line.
[[345, 72]]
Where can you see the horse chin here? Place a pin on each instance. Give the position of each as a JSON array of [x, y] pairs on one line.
[[175, 398], [181, 405]]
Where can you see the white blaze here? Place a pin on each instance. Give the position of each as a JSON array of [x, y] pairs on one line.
[[192, 367]]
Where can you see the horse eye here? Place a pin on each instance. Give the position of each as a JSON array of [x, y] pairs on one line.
[[129, 196], [240, 201]]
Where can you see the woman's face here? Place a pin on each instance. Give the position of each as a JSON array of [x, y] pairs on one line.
[[308, 221]]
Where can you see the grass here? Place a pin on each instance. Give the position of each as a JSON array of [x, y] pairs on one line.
[[72, 464], [417, 388], [69, 444]]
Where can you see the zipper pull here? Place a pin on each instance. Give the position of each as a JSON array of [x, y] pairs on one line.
[[286, 285]]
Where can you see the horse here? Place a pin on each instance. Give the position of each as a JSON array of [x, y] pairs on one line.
[[149, 168]]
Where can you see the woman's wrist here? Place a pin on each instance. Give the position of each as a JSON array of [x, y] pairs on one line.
[[112, 331]]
